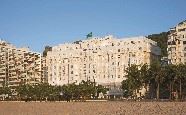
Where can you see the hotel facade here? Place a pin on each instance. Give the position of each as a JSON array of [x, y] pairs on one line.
[[177, 44], [101, 60], [18, 66]]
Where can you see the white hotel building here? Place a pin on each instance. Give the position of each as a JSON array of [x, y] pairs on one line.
[[103, 60]]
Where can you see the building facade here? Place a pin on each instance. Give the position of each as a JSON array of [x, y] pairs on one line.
[[44, 72], [18, 65], [177, 44], [103, 60]]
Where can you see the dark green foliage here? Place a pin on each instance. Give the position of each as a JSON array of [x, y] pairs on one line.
[[168, 81], [85, 90], [161, 40], [47, 48], [46, 92], [5, 90], [127, 91]]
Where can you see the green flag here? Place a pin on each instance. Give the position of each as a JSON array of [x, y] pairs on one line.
[[89, 35]]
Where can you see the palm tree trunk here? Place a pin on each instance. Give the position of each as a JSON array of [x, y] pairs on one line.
[[180, 89], [158, 91], [170, 89]]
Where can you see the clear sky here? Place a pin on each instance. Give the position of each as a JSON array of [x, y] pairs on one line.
[[36, 23]]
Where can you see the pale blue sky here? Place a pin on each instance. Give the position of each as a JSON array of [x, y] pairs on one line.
[[36, 23]]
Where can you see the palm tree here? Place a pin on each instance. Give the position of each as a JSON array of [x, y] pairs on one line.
[[156, 73], [170, 78], [180, 75]]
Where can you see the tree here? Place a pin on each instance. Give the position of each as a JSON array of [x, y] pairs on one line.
[[127, 92], [87, 89], [5, 91], [170, 78], [156, 74], [144, 77], [47, 48], [180, 76], [25, 92], [100, 89], [133, 81]]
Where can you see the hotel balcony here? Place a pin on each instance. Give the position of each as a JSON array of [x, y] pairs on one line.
[[11, 68], [3, 60], [1, 80], [13, 76], [12, 73], [13, 85], [11, 64], [2, 68], [2, 73]]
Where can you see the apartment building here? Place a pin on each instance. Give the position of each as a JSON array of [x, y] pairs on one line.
[[44, 70], [18, 65], [177, 44], [103, 60]]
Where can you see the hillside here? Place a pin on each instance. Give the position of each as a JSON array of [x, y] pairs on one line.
[[161, 40]]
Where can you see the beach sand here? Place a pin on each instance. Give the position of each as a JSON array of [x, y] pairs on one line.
[[93, 108]]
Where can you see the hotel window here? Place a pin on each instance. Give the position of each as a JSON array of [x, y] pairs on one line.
[[169, 49], [132, 42]]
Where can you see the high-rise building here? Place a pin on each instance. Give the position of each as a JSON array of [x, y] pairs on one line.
[[44, 71], [18, 65], [177, 44], [103, 60]]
